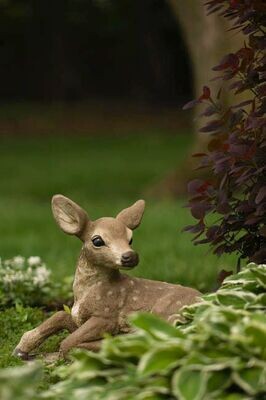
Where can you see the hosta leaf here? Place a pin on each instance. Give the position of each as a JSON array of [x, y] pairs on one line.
[[256, 332], [195, 310], [259, 302], [231, 315], [160, 360], [248, 284], [245, 273], [234, 396], [218, 381], [125, 346], [148, 396], [251, 380], [26, 380], [155, 326], [260, 274], [189, 384], [235, 299]]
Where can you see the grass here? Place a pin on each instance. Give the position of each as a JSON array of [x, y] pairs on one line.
[[104, 174]]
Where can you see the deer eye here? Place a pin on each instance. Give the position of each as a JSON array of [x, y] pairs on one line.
[[98, 241], [131, 241]]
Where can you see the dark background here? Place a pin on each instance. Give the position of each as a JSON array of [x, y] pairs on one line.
[[73, 50]]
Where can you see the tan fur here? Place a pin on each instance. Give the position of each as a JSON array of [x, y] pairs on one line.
[[103, 296]]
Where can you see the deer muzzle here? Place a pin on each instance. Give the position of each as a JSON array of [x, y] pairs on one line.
[[129, 259]]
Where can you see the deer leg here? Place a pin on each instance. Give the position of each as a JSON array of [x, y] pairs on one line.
[[33, 338], [95, 345], [88, 334]]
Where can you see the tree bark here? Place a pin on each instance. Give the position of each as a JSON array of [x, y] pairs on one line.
[[208, 41]]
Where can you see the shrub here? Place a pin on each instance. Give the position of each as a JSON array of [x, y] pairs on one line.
[[27, 282], [216, 351], [236, 190], [22, 280]]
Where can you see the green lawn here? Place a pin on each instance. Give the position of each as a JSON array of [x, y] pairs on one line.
[[103, 174]]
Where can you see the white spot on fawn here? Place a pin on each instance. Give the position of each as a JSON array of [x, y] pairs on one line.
[[135, 298], [75, 310]]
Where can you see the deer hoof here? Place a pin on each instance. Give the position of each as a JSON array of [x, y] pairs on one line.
[[20, 354]]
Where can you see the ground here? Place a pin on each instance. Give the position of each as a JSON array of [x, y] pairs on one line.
[[103, 174]]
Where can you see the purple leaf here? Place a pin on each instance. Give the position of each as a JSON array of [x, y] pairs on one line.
[[194, 185], [191, 104], [212, 126], [231, 60], [261, 195], [198, 210], [242, 104]]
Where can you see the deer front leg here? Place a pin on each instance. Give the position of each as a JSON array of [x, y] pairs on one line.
[[32, 339], [88, 335], [92, 346]]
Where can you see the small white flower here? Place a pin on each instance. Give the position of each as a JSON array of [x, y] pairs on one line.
[[33, 261], [18, 261], [41, 277]]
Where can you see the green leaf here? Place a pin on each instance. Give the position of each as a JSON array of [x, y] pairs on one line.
[[251, 380], [233, 396], [189, 384], [125, 346], [66, 309], [20, 382], [260, 300], [260, 273], [218, 381], [235, 299], [160, 360], [155, 326]]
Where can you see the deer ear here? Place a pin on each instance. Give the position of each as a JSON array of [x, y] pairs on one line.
[[71, 218], [132, 216]]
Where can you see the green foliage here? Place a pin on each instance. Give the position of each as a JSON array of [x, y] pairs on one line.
[[14, 322], [26, 382], [216, 351], [27, 282]]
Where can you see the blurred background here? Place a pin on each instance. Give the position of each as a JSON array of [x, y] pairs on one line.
[[91, 96]]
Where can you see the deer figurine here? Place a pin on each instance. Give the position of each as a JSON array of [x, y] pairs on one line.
[[103, 296]]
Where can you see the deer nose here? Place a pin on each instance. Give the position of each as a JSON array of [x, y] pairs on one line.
[[129, 259]]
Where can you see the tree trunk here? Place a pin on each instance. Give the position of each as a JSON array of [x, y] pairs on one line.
[[208, 41]]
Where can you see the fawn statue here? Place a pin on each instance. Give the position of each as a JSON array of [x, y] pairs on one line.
[[103, 296]]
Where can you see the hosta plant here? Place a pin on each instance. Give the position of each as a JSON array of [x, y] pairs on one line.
[[236, 156], [215, 351]]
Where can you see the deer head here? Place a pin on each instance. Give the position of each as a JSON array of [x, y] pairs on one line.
[[107, 241]]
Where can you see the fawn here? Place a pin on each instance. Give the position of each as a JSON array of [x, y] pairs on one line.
[[103, 296]]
